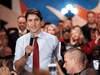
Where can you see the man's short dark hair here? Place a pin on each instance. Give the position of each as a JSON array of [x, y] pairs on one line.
[[93, 30], [81, 55], [69, 19], [33, 11], [47, 23], [89, 13], [60, 21], [96, 47]]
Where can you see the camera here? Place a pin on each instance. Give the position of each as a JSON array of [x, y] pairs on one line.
[[52, 68], [96, 64]]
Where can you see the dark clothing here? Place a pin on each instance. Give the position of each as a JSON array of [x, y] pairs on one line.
[[12, 40], [79, 73], [86, 32]]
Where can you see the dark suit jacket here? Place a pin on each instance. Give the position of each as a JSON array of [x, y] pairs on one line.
[[86, 32], [12, 40]]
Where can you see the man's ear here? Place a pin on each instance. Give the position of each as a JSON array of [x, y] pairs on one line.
[[74, 60]]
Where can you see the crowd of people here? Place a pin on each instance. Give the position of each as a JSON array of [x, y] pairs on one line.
[[28, 49]]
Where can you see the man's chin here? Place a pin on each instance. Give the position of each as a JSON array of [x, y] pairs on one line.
[[91, 22], [22, 28]]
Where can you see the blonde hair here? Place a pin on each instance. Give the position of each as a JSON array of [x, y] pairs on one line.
[[55, 28], [82, 38]]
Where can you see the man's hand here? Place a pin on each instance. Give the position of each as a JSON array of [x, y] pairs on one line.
[[59, 71], [28, 50]]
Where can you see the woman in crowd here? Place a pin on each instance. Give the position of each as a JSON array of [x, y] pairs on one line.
[[53, 30], [3, 37], [77, 40]]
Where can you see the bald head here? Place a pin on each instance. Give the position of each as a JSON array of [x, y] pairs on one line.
[[6, 51], [78, 54], [74, 60]]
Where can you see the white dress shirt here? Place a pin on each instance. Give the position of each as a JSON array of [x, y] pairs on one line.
[[47, 45]]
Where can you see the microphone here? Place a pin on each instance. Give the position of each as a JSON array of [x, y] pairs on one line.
[[31, 41]]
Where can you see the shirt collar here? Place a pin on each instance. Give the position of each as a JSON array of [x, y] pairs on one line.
[[24, 32], [40, 35]]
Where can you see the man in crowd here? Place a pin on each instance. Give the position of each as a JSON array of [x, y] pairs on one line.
[[46, 26], [21, 21], [91, 24], [60, 27], [75, 62], [67, 24], [45, 45]]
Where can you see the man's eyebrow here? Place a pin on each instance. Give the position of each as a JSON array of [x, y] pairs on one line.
[[36, 18]]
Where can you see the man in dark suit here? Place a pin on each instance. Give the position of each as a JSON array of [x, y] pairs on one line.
[[21, 21], [91, 24]]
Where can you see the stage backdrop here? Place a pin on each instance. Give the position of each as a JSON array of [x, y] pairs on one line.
[[52, 10]]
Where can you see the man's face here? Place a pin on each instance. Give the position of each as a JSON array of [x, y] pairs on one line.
[[60, 25], [46, 26], [51, 30], [91, 18], [22, 23], [66, 35], [34, 24], [95, 54], [69, 63], [75, 34], [93, 33], [68, 24]]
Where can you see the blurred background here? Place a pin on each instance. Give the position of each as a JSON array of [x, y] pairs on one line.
[[52, 10]]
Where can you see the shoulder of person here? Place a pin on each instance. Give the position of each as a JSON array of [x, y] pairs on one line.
[[84, 26], [24, 37], [15, 33], [69, 47], [49, 35]]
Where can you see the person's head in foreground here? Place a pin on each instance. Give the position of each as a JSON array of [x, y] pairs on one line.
[[74, 61]]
